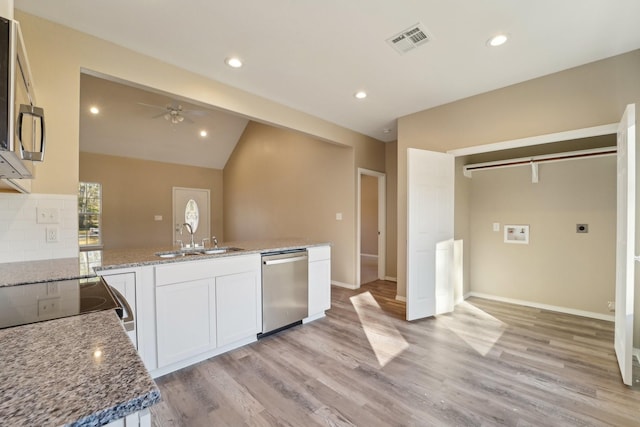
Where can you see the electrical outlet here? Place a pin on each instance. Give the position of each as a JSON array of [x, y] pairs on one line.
[[52, 288], [48, 306], [47, 215], [339, 216], [52, 234]]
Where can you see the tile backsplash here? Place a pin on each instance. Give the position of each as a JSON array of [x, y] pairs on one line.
[[22, 238]]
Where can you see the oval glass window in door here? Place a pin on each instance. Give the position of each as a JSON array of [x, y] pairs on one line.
[[192, 215]]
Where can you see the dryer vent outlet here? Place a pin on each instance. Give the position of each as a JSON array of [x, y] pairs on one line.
[[582, 228]]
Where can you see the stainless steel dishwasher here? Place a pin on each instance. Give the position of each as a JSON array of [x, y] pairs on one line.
[[285, 289]]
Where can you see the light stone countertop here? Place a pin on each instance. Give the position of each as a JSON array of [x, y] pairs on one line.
[[19, 273], [130, 258], [86, 265], [77, 371]]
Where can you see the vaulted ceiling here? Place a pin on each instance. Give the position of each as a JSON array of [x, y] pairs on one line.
[[133, 122]]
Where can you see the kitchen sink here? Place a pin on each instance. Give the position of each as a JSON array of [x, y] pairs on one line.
[[212, 251], [196, 251]]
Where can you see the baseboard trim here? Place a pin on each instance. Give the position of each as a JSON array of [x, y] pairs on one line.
[[369, 255], [344, 285], [401, 298], [559, 309], [391, 279]]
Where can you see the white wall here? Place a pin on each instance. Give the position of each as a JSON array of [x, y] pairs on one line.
[[22, 238]]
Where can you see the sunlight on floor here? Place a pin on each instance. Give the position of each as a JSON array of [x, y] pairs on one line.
[[385, 340], [481, 334]]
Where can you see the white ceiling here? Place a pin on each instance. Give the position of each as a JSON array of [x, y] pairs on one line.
[[313, 55]]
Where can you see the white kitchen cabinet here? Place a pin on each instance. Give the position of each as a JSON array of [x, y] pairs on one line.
[[137, 419], [319, 280], [185, 320], [125, 283], [203, 308], [238, 306]]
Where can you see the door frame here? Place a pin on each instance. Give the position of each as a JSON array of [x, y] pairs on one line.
[[173, 213], [382, 222]]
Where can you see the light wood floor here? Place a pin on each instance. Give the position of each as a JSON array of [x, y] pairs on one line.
[[486, 364], [368, 269]]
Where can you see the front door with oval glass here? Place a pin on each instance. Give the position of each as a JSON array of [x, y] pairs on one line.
[[191, 206]]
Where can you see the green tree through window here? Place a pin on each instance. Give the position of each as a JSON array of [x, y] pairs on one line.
[[89, 214]]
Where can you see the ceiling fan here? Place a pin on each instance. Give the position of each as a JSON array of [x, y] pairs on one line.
[[174, 112]]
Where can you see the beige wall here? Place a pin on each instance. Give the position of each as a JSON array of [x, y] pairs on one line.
[[462, 231], [57, 54], [369, 215], [586, 96], [134, 191], [280, 183], [391, 168], [559, 266]]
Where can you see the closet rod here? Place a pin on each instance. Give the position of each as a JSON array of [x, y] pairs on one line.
[[605, 151]]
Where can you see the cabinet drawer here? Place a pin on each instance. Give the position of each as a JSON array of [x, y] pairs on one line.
[[319, 253]]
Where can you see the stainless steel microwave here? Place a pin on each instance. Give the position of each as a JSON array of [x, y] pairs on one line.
[[22, 130]]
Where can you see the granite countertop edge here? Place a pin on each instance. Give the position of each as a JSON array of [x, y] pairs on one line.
[[108, 415]]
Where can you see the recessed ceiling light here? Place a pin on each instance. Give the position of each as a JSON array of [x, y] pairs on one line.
[[360, 94], [203, 133], [497, 40], [233, 62], [94, 110]]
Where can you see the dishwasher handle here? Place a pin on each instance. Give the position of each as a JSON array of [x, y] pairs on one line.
[[285, 260]]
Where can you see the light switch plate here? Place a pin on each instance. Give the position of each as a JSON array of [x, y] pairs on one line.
[[157, 217], [47, 215], [496, 226], [339, 216]]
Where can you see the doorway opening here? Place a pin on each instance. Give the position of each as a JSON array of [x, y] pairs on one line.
[[371, 227]]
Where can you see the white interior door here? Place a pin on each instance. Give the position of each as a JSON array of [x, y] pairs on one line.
[[625, 239], [181, 198], [430, 195]]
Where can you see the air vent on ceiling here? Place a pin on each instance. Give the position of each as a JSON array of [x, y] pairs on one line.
[[409, 39]]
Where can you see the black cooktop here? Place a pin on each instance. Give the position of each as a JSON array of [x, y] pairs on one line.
[[37, 302]]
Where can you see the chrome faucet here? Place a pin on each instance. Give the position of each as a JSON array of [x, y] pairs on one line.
[[215, 242], [190, 230]]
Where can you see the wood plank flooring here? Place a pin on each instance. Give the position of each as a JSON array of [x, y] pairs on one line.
[[486, 364]]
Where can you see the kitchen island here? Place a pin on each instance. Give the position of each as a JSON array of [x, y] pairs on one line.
[[190, 308], [84, 370]]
